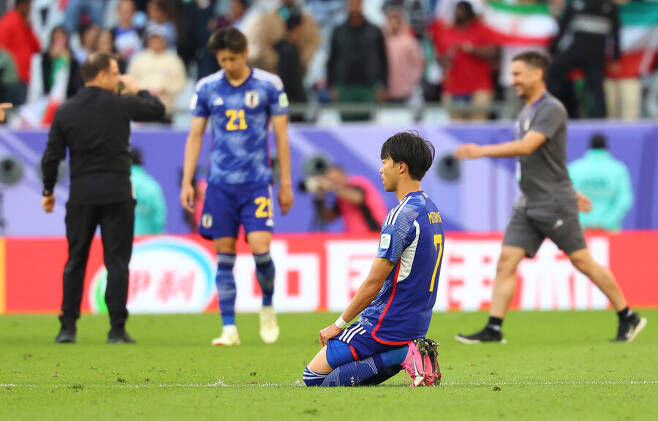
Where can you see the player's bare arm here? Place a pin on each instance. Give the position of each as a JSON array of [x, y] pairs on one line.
[[584, 203], [280, 124], [530, 142], [192, 152], [366, 293]]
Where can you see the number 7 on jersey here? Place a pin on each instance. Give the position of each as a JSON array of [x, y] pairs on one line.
[[438, 245]]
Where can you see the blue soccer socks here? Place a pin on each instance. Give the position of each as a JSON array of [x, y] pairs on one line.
[[265, 276], [311, 378], [225, 282]]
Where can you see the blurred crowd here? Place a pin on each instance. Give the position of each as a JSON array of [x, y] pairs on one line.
[[330, 51]]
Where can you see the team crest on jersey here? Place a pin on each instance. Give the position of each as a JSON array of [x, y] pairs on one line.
[[251, 99], [206, 220]]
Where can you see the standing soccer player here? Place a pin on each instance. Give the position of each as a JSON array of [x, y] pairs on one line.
[[549, 205], [396, 299], [240, 103]]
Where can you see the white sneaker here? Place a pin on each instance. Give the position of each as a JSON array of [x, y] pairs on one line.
[[228, 337], [269, 328]]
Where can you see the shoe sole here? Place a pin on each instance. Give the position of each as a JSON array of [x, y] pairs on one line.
[[638, 329], [477, 341]]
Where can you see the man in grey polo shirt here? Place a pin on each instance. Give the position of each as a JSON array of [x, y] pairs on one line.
[[549, 205]]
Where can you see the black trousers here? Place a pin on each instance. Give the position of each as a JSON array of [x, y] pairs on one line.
[[594, 68], [117, 223]]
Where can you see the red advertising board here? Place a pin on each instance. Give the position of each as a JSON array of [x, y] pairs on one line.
[[175, 274]]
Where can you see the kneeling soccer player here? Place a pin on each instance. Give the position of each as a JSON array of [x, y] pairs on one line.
[[397, 297]]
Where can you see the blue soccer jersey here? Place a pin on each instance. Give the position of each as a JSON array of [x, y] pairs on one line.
[[412, 238], [239, 118]]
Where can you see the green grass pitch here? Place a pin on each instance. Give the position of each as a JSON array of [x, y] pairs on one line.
[[556, 365]]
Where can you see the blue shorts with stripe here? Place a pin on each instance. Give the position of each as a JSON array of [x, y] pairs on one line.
[[228, 206], [353, 344]]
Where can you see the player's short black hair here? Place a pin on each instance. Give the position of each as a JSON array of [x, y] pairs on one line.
[[94, 64], [227, 38], [412, 149], [598, 141], [534, 59]]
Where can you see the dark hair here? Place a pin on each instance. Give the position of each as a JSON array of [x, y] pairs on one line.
[[94, 64], [534, 59], [468, 8], [598, 142], [21, 1], [413, 150], [59, 28], [294, 20], [227, 38]]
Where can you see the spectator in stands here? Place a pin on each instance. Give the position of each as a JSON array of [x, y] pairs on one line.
[[88, 41], [55, 73], [290, 68], [623, 85], [159, 14], [127, 37], [357, 68], [197, 24], [586, 26], [606, 182], [405, 58], [17, 37], [151, 210], [465, 52], [106, 44], [309, 37], [10, 84], [159, 70], [95, 9], [238, 13], [270, 27], [357, 201]]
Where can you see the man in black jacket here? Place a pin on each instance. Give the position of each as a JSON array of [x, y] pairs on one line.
[[357, 67], [587, 27], [95, 127]]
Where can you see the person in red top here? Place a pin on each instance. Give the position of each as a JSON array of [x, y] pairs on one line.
[[357, 201], [465, 52], [17, 37]]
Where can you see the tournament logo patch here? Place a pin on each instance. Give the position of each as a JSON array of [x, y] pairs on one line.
[[283, 100], [251, 99], [193, 101], [206, 220], [385, 241], [526, 125]]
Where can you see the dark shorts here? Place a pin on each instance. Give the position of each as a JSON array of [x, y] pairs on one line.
[[528, 230], [228, 206], [354, 344]]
